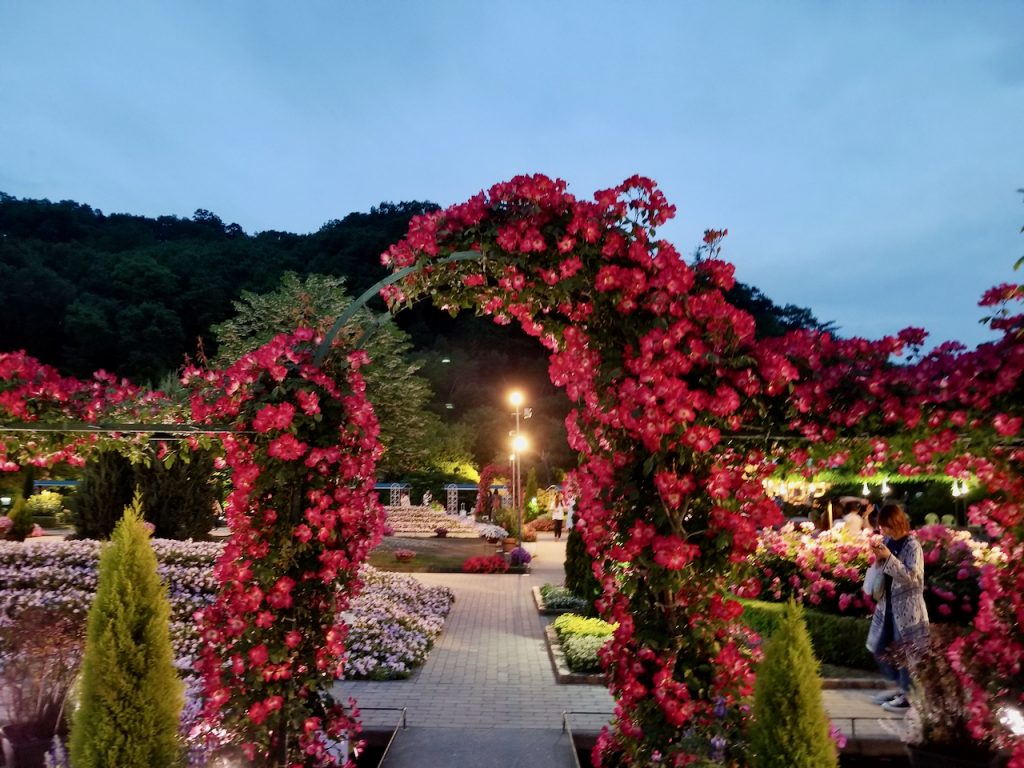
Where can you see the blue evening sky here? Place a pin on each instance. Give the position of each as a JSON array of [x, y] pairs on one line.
[[864, 156]]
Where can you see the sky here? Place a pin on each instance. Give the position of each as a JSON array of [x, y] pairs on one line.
[[865, 156]]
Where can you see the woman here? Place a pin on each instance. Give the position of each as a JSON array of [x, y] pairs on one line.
[[900, 616], [557, 517]]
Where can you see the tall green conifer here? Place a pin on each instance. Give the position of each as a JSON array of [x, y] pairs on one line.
[[791, 727], [130, 696]]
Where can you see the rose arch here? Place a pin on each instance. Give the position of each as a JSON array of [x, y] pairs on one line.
[[680, 412]]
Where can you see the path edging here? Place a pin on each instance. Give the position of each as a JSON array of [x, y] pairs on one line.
[[564, 675]]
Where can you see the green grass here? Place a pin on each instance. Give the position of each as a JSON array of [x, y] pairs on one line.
[[433, 555]]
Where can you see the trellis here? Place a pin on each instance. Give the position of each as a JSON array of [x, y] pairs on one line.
[[666, 378]]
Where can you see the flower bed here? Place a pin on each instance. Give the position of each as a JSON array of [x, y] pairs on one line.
[[424, 522], [826, 570], [582, 640], [394, 621]]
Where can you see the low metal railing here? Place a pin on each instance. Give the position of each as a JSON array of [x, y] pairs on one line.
[[401, 725]]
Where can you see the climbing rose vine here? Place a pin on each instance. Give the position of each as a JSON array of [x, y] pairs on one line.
[[303, 517]]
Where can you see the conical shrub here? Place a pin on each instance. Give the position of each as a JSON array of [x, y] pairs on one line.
[[790, 728], [130, 696]]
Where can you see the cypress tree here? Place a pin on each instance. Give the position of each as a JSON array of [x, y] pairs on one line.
[[790, 727], [579, 568], [130, 696], [178, 497]]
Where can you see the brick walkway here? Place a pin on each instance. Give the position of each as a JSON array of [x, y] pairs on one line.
[[490, 667]]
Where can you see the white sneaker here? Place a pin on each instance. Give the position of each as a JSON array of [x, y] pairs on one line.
[[884, 696], [898, 704]]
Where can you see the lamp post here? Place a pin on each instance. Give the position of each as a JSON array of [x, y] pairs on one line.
[[515, 397], [519, 444]]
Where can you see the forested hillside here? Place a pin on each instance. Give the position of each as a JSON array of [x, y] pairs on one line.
[[82, 290]]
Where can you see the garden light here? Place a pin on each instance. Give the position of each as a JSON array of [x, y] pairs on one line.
[[1011, 719], [865, 491]]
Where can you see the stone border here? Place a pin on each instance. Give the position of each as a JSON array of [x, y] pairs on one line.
[[564, 675], [542, 607], [854, 682]]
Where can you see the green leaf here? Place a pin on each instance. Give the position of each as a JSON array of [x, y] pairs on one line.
[[169, 460]]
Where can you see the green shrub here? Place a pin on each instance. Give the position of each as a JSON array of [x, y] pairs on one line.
[[790, 727], [130, 695], [579, 573], [561, 599], [21, 516], [572, 624], [581, 652], [530, 508], [837, 640], [45, 504]]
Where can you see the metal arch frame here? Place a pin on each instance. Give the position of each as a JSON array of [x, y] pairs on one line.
[[369, 293]]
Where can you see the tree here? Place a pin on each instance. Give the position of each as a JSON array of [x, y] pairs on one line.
[[790, 727], [130, 697], [399, 395]]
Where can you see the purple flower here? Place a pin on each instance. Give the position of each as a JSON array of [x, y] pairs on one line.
[[519, 556]]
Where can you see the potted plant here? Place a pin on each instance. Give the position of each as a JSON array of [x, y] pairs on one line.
[[936, 728], [404, 555], [441, 531], [39, 660], [519, 558]]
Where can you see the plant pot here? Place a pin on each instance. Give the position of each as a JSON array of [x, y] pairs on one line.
[[25, 745], [507, 545], [952, 756]]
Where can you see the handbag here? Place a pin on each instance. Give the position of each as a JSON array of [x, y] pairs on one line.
[[874, 583]]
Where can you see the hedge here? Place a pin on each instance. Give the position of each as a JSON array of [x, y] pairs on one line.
[[837, 640]]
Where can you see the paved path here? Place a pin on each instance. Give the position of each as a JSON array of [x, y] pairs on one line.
[[490, 668]]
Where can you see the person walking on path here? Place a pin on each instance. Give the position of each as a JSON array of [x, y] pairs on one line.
[[558, 517], [901, 617]]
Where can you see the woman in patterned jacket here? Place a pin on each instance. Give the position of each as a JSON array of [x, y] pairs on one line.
[[900, 616]]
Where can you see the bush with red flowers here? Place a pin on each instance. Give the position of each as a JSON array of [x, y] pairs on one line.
[[481, 564]]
